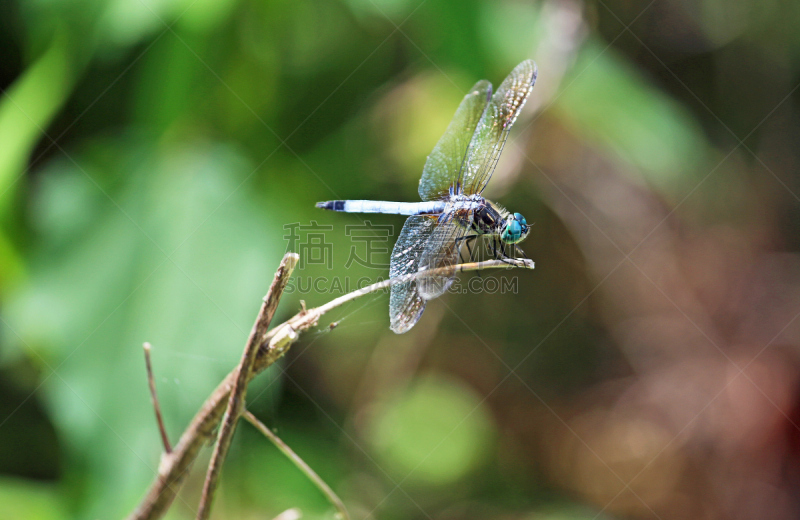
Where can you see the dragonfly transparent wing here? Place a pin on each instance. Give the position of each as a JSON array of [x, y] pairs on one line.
[[492, 130], [405, 303], [440, 251], [444, 163]]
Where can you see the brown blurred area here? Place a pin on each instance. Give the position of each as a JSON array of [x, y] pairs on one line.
[[704, 312]]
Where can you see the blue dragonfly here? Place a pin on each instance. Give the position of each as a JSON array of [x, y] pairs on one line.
[[453, 212]]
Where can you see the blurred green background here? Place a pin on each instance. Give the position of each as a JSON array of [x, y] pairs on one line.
[[153, 153]]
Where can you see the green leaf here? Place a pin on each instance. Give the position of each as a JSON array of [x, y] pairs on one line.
[[26, 111], [175, 254]]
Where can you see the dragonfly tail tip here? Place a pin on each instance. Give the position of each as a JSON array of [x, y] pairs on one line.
[[333, 205]]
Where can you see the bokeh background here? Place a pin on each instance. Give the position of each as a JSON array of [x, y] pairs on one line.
[[153, 153]]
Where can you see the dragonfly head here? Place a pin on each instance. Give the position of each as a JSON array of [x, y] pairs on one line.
[[515, 229]]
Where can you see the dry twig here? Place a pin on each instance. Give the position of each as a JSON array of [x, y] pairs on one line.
[[301, 464], [154, 397], [272, 346], [239, 390]]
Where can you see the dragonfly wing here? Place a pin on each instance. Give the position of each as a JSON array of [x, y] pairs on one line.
[[444, 163], [405, 303], [440, 251], [492, 129]]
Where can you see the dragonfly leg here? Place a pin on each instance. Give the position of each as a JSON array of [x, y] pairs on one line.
[[465, 239], [473, 251], [458, 247], [503, 256], [459, 240]]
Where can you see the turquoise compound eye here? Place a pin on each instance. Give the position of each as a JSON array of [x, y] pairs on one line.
[[518, 217], [512, 232]]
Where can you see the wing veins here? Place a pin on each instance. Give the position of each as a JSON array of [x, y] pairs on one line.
[[492, 131]]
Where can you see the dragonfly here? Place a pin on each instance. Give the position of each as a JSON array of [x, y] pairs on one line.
[[453, 212]]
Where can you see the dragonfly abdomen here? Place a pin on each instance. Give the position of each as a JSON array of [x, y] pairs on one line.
[[433, 207]]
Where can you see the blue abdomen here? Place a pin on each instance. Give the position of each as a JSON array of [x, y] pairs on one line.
[[434, 207]]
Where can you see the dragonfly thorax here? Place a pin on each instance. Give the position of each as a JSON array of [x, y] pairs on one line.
[[491, 219]]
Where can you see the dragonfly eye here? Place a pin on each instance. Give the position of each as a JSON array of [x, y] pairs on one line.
[[512, 233], [519, 218]]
